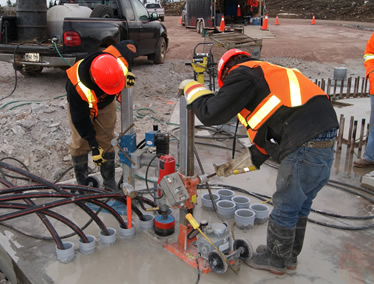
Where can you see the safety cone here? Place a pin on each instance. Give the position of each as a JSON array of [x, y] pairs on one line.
[[265, 23], [314, 20], [238, 13], [222, 25], [276, 21], [180, 21]]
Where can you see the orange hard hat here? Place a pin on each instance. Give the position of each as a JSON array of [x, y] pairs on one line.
[[107, 74], [225, 58]]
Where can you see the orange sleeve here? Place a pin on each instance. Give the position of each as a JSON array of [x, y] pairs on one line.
[[369, 56]]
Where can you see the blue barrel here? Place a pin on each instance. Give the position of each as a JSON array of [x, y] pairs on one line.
[[31, 20]]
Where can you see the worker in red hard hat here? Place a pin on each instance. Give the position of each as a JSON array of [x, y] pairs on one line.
[[94, 83], [287, 118]]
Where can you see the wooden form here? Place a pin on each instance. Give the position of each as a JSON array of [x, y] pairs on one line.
[[342, 89], [351, 141]]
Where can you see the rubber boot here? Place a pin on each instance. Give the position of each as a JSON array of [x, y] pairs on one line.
[[278, 250], [298, 242], [107, 171], [80, 165]]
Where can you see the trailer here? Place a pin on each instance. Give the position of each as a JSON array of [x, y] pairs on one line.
[[207, 14]]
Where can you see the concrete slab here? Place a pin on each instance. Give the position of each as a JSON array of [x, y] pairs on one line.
[[330, 255]]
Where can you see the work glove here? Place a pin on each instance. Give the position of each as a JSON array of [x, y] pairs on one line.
[[192, 90], [97, 155], [243, 163], [130, 80]]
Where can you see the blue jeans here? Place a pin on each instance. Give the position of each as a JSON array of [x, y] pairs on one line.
[[301, 176], [369, 152]]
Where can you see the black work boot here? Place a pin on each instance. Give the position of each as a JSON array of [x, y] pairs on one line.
[[278, 249], [107, 171], [80, 165], [298, 242]]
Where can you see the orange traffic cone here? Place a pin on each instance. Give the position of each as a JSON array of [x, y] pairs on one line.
[[180, 22], [276, 21], [222, 25], [265, 23], [313, 20], [238, 13]]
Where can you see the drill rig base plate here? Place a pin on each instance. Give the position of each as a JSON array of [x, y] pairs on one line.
[[187, 252]]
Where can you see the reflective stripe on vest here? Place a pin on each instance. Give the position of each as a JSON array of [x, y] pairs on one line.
[[85, 93], [368, 57], [288, 87]]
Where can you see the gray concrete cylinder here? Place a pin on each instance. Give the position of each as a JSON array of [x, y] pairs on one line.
[[87, 248], [67, 254], [110, 239]]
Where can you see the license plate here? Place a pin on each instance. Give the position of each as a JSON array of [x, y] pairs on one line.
[[32, 57]]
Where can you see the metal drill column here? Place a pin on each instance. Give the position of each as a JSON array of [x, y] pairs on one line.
[[186, 143], [126, 121]]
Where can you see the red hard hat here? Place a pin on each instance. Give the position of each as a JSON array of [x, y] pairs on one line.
[[107, 74], [225, 58]]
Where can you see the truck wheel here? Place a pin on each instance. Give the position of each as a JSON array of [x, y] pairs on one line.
[[29, 70], [159, 56], [102, 11], [162, 19]]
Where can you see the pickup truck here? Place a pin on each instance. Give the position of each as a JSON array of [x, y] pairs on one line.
[[109, 23], [156, 8]]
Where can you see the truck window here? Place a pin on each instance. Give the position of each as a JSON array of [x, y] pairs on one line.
[[129, 11], [153, 6], [140, 11], [93, 3]]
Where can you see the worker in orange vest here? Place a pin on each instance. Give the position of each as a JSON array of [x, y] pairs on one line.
[[368, 159], [287, 118], [92, 87]]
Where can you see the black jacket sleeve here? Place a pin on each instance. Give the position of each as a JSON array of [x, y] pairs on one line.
[[236, 93], [241, 89]]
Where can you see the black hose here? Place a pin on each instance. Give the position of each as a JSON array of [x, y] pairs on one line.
[[45, 221], [30, 175], [352, 186], [53, 214], [234, 140], [15, 73], [146, 180]]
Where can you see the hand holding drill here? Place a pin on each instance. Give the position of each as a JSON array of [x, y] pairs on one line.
[[243, 163]]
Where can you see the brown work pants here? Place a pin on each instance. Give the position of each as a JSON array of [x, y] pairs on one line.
[[104, 125]]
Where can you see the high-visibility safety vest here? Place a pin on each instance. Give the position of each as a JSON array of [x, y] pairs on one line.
[[86, 93], [288, 87], [369, 62]]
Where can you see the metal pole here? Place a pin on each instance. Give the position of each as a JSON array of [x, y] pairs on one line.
[[126, 121], [186, 143]]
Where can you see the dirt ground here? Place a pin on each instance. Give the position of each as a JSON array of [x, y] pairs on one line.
[[359, 10], [33, 123]]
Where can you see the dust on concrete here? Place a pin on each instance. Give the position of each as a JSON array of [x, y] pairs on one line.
[[33, 122]]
